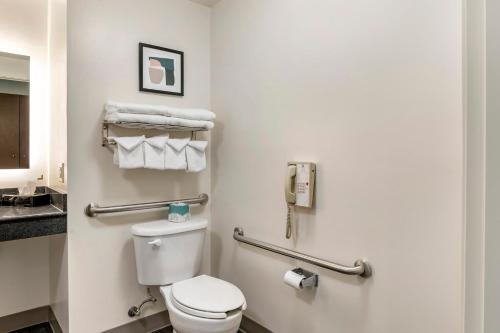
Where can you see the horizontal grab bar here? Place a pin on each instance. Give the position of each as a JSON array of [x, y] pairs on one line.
[[361, 267], [93, 209]]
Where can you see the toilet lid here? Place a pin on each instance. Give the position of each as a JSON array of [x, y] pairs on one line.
[[207, 294]]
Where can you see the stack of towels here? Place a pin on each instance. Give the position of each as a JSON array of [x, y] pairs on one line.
[[160, 152], [158, 115]]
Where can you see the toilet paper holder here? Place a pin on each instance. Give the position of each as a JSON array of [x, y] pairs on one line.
[[309, 279]]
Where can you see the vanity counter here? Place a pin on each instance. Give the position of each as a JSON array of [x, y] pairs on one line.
[[18, 222], [15, 213], [26, 222]]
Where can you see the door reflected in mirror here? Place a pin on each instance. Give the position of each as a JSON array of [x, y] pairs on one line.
[[14, 111]]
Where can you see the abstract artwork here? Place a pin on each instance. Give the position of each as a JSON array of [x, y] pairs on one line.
[[161, 70]]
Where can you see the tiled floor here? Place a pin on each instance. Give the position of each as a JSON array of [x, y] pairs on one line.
[[40, 328], [45, 328]]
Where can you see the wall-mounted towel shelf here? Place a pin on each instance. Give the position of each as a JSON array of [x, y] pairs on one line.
[[93, 209], [107, 141], [361, 267]]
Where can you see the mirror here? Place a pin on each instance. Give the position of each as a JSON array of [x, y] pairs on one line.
[[14, 111]]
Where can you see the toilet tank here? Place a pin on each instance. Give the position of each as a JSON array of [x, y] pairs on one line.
[[167, 252]]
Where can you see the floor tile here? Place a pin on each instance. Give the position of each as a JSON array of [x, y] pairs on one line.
[[40, 328]]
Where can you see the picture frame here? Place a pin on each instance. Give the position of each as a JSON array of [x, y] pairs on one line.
[[161, 70]]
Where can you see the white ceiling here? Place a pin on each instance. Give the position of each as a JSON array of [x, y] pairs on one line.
[[208, 3]]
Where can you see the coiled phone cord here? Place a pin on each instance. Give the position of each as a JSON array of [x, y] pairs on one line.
[[289, 218]]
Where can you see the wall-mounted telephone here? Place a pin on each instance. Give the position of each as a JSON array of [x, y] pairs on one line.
[[299, 189]]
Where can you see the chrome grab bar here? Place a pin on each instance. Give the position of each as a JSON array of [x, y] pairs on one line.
[[93, 209], [361, 267]]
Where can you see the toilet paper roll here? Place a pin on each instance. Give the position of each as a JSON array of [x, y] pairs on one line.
[[293, 279]]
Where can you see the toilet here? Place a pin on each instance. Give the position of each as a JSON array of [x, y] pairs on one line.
[[169, 255]]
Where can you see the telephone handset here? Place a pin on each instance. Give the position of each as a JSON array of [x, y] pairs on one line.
[[290, 196], [299, 189]]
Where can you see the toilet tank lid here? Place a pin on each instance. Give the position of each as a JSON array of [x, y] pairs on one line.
[[164, 227]]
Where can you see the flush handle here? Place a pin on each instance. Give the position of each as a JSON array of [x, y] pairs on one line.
[[155, 243]]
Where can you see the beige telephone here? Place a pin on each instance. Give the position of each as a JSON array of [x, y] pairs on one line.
[[299, 189]]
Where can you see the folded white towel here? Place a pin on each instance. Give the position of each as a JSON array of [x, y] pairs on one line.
[[161, 110], [156, 119], [115, 156], [154, 152], [175, 154], [129, 152], [195, 155]]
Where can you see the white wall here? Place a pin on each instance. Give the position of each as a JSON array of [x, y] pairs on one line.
[[23, 30], [58, 87], [58, 247], [372, 92], [475, 194], [103, 39], [24, 275], [492, 229], [58, 279]]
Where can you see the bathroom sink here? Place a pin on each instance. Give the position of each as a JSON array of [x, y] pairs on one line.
[[35, 200]]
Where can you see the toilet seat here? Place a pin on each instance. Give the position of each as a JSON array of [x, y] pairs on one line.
[[197, 313], [206, 297]]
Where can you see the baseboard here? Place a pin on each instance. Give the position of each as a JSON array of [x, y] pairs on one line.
[[24, 319], [146, 324], [161, 320], [29, 318], [151, 323], [53, 322], [250, 326]]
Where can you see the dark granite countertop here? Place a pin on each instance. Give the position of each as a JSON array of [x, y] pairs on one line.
[[18, 213], [19, 222]]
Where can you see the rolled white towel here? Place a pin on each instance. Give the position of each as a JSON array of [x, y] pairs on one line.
[[161, 110], [156, 120], [129, 152], [175, 154], [195, 155], [154, 152]]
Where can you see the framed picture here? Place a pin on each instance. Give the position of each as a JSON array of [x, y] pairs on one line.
[[161, 70]]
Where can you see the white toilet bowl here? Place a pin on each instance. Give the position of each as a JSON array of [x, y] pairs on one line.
[[169, 255], [204, 305]]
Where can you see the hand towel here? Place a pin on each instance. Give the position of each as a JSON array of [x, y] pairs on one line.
[[129, 152], [161, 110], [156, 119], [195, 155], [175, 154], [154, 152]]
